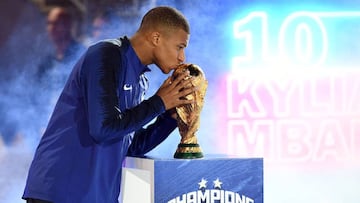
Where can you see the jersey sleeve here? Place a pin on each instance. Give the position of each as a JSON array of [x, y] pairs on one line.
[[99, 76], [148, 138]]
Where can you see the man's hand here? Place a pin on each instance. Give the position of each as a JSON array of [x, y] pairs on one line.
[[173, 113], [172, 93]]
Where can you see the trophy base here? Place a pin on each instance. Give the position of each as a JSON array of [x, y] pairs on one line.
[[188, 151]]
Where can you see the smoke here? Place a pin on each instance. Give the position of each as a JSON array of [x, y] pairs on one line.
[[24, 116], [206, 48], [19, 57], [26, 107], [19, 132]]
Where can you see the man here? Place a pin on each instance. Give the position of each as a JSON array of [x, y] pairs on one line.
[[101, 26], [99, 117], [54, 68]]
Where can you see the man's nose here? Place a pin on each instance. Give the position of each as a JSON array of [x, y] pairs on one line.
[[181, 57]]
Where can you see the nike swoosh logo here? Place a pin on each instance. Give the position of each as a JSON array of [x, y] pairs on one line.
[[117, 109], [127, 87]]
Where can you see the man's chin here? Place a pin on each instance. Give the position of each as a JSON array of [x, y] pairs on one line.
[[166, 71]]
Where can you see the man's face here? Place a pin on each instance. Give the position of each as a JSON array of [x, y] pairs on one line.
[[58, 26], [98, 28], [170, 51]]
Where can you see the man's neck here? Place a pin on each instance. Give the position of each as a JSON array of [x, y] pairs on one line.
[[142, 48]]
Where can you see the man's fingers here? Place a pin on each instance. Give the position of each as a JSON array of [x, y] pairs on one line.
[[187, 91], [180, 78], [168, 81], [183, 85], [186, 101]]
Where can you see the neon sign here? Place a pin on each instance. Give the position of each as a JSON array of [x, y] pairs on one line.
[[302, 38], [311, 118], [284, 99]]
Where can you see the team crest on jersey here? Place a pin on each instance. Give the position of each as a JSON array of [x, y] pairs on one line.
[[211, 192]]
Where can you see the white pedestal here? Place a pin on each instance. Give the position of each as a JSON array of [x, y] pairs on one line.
[[206, 180]]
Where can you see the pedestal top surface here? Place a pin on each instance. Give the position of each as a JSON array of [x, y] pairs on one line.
[[206, 157]]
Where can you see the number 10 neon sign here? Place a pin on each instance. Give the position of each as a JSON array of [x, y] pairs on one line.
[[302, 38]]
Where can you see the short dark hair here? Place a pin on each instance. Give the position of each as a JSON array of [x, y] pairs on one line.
[[164, 17]]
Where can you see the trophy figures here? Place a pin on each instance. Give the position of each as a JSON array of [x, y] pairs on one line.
[[189, 115]]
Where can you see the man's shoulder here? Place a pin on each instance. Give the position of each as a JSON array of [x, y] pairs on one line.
[[109, 46], [116, 42], [109, 43]]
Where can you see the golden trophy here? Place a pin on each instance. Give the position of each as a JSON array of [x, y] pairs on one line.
[[188, 116]]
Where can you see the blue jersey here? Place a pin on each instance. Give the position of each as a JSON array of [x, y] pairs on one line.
[[97, 121]]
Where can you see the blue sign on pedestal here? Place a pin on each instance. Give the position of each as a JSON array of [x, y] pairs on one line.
[[206, 180]]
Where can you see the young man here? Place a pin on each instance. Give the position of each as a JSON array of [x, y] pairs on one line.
[[55, 67], [99, 117], [60, 26]]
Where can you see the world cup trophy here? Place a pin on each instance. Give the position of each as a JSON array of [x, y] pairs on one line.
[[188, 116]]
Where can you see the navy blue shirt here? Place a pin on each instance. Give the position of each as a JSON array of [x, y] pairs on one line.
[[97, 121]]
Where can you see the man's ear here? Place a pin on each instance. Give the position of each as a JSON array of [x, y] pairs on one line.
[[155, 38]]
